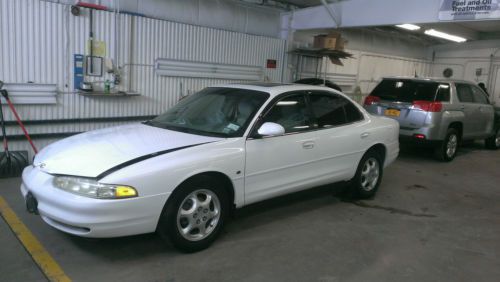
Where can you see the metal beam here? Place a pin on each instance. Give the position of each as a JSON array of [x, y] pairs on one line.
[[359, 13]]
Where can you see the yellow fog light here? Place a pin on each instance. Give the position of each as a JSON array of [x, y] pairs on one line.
[[125, 192]]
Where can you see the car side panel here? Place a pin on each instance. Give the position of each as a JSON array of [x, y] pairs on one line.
[[283, 164], [164, 173]]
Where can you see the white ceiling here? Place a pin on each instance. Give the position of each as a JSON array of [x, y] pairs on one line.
[[472, 30]]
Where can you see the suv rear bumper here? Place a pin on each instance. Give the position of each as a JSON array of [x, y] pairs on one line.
[[411, 140], [431, 132]]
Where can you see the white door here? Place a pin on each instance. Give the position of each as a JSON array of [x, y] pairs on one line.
[[316, 149]]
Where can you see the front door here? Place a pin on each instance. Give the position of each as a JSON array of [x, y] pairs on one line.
[[274, 164]]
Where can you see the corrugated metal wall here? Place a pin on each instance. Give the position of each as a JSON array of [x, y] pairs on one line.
[[39, 39]]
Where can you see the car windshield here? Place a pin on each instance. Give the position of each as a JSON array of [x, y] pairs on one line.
[[214, 111], [405, 90]]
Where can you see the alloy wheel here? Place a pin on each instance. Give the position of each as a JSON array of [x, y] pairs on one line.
[[370, 174], [198, 215], [451, 145]]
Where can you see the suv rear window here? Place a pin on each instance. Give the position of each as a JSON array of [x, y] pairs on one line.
[[407, 90]]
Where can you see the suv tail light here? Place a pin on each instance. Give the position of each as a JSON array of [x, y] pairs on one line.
[[370, 100], [428, 106]]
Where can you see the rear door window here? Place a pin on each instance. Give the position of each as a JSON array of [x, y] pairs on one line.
[[464, 93], [406, 90], [333, 110]]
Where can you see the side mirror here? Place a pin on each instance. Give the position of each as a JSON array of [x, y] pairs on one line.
[[271, 129]]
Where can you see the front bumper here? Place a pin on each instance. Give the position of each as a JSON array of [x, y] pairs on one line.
[[88, 217]]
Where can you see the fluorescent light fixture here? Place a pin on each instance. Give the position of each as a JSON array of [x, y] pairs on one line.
[[168, 67], [408, 26], [31, 93], [435, 33]]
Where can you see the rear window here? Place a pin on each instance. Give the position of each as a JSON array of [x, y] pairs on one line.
[[405, 90]]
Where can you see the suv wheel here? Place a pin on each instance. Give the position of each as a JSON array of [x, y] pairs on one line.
[[448, 148], [493, 142]]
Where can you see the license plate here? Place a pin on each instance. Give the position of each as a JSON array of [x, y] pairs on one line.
[[392, 112]]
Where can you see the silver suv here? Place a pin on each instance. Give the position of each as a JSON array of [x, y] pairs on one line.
[[440, 112]]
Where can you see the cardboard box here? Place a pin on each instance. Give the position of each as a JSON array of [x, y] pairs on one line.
[[326, 41], [340, 44]]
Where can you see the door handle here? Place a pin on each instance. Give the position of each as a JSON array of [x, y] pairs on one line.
[[365, 134], [308, 145]]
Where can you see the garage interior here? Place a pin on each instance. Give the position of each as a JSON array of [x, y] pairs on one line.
[[430, 221]]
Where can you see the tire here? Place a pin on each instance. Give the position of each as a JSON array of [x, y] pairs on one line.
[[193, 229], [493, 142], [368, 176], [447, 149]]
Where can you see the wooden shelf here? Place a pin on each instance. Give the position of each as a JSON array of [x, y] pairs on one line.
[[334, 55]]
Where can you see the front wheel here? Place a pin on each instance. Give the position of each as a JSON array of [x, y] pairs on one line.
[[493, 142], [447, 149], [368, 176], [195, 215]]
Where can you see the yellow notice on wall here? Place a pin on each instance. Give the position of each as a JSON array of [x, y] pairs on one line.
[[98, 48]]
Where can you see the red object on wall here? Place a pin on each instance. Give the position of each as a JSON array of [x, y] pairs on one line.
[[271, 64]]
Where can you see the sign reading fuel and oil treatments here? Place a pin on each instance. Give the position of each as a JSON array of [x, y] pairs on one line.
[[459, 10]]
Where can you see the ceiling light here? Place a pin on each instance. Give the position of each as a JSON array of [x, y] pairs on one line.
[[408, 26], [433, 32]]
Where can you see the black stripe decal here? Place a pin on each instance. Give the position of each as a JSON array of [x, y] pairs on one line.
[[142, 158]]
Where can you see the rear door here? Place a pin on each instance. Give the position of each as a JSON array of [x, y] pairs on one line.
[[470, 109], [397, 97], [341, 135], [486, 111]]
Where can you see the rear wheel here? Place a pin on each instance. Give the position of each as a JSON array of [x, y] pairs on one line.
[[493, 142], [195, 215], [447, 150], [368, 176]]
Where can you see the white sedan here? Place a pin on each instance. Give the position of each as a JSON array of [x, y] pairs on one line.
[[182, 173]]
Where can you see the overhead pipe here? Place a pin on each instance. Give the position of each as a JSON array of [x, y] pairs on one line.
[[490, 71], [331, 12]]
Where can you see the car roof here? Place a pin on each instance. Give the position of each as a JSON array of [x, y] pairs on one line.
[[275, 89], [434, 79]]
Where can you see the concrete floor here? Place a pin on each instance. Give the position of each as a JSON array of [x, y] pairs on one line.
[[430, 221]]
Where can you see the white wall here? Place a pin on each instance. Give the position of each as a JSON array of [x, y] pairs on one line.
[[375, 55], [464, 59], [40, 38], [222, 14]]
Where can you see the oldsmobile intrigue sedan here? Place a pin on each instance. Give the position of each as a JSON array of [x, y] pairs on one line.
[[181, 173]]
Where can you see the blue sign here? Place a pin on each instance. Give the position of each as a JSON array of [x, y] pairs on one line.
[[77, 70]]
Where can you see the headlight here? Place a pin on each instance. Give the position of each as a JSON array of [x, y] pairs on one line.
[[93, 189]]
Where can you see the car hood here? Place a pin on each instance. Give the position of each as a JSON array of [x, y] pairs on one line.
[[93, 153]]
